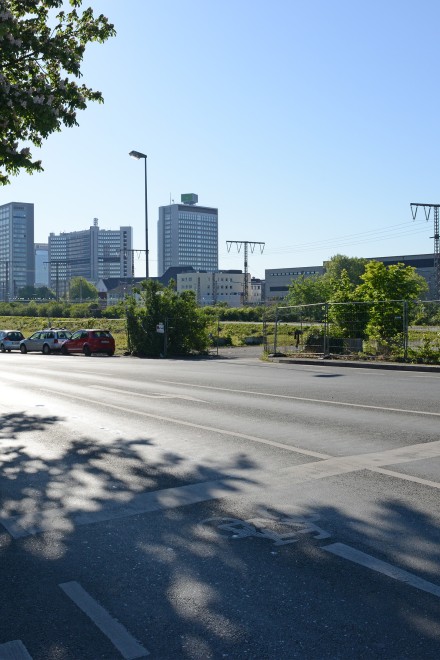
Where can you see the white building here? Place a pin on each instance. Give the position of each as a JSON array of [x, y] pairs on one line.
[[223, 286], [187, 235], [93, 253]]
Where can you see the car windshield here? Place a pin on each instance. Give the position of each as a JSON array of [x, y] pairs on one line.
[[101, 333]]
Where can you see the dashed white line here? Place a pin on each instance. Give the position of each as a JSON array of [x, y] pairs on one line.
[[301, 398], [127, 646], [361, 558]]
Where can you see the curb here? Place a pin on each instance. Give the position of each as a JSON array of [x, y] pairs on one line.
[[390, 366]]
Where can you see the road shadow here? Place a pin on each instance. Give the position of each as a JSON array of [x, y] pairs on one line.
[[219, 578]]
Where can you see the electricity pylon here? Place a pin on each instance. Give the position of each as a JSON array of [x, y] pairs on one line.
[[427, 209]]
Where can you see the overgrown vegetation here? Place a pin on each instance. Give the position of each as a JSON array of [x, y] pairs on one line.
[[183, 324]]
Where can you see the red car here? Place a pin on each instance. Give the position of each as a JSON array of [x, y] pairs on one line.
[[89, 341]]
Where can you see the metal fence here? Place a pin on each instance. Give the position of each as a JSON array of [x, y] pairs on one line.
[[390, 329]]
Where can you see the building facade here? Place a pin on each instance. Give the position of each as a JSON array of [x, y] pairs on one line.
[[17, 256], [41, 264], [223, 286], [93, 253], [187, 235], [278, 280]]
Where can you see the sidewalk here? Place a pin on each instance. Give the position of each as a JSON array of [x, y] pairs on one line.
[[358, 364]]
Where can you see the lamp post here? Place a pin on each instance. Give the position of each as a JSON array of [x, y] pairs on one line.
[[138, 155]]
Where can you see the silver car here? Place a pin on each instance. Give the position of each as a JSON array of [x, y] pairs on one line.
[[10, 340], [47, 341]]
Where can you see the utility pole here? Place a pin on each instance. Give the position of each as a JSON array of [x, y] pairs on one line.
[[246, 245], [427, 209], [57, 264], [126, 251]]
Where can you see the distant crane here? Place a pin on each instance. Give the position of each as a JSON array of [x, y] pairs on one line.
[[427, 209], [246, 245]]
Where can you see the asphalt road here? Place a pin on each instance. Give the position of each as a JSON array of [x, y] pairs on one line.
[[218, 508]]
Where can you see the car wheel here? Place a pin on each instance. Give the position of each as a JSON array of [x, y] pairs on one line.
[[87, 350], [2, 349], [46, 350], [64, 350], [110, 353], [23, 348]]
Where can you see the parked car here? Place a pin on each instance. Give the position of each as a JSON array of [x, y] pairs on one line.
[[47, 341], [10, 340], [89, 341]]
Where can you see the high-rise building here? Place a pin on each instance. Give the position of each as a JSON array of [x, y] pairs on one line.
[[187, 235], [17, 257], [41, 264], [93, 253]]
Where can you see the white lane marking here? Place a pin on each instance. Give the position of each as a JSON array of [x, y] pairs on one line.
[[339, 465], [182, 422], [157, 395], [15, 650], [408, 477], [126, 644], [361, 558], [301, 398], [63, 519]]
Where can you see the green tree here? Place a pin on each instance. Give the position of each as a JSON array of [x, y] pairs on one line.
[[353, 266], [387, 288], [185, 324], [36, 293], [308, 290], [41, 52], [345, 310], [81, 289]]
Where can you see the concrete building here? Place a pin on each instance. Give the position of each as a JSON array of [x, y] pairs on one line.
[[93, 253], [278, 280], [223, 286], [41, 264], [17, 256], [187, 235], [255, 295]]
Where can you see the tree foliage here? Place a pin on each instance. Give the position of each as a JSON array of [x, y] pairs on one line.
[[185, 323], [41, 51], [391, 290], [354, 268], [36, 293], [81, 289], [308, 290]]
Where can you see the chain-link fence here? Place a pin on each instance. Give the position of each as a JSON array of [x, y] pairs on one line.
[[390, 329]]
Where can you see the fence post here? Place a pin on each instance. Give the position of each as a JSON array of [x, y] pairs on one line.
[[326, 337], [405, 329], [275, 334]]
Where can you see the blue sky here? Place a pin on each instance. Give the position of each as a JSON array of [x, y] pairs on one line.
[[311, 125]]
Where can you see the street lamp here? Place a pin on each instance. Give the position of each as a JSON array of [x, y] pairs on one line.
[[138, 155]]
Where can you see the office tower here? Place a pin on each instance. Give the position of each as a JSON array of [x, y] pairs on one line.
[[41, 264], [17, 258], [93, 253], [187, 235]]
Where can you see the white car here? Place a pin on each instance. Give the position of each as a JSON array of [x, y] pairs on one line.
[[10, 340], [47, 341]]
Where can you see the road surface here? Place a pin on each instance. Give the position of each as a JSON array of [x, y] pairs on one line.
[[226, 508]]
